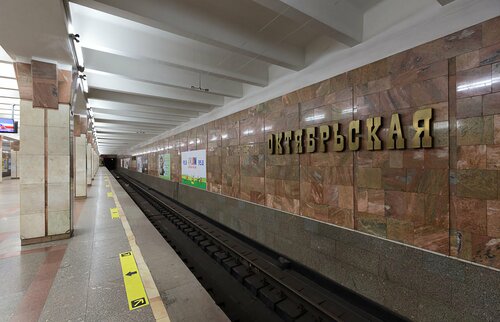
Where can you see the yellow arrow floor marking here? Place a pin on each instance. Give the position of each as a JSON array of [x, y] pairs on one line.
[[114, 213], [159, 311], [110, 194], [136, 294]]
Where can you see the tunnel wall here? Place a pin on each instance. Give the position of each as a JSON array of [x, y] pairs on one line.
[[419, 284]]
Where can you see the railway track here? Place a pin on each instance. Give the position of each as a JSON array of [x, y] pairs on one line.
[[249, 282]]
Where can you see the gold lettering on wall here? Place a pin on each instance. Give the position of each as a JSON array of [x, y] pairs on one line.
[[395, 130], [354, 129], [338, 139], [288, 142], [314, 139], [311, 139], [324, 136], [270, 143], [299, 146], [279, 143], [372, 141], [422, 126]]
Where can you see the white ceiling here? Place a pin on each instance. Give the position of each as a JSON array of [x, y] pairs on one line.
[[142, 58]]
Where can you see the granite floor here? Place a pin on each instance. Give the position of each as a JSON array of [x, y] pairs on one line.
[[80, 279]]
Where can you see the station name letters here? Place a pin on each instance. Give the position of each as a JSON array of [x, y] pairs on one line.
[[325, 138]]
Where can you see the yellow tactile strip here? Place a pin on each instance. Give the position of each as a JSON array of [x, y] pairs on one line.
[[155, 301]]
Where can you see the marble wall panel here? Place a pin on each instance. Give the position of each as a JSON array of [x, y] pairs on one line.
[[474, 194], [282, 185], [214, 157], [191, 140]]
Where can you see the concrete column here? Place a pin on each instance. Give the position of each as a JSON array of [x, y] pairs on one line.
[[14, 148], [44, 156], [89, 164], [80, 156], [95, 163], [1, 158]]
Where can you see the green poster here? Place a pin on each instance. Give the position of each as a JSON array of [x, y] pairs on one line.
[[164, 166], [193, 168]]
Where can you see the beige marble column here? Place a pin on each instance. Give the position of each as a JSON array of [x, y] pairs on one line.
[[95, 162], [89, 159], [44, 155], [80, 155], [1, 158], [14, 169]]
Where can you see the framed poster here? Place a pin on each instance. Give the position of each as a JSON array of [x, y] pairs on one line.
[[126, 163], [164, 166], [139, 164], [194, 168], [145, 164]]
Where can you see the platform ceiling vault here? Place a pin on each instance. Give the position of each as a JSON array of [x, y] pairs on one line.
[[153, 65]]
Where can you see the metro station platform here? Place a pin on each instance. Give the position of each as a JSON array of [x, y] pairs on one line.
[[81, 279]]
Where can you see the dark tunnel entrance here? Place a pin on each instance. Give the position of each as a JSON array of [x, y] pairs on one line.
[[109, 161]]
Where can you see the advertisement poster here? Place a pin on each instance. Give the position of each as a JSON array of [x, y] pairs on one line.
[[164, 166], [139, 164], [194, 168], [145, 164], [126, 163]]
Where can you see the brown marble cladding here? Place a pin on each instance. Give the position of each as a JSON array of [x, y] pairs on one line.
[[45, 84], [252, 150], [326, 181], [474, 188], [445, 199], [24, 80], [214, 157], [282, 172], [230, 155]]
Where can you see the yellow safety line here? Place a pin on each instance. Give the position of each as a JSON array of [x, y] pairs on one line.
[[110, 194], [136, 294], [159, 311]]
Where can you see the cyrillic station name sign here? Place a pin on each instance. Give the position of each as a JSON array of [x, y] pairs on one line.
[[329, 137]]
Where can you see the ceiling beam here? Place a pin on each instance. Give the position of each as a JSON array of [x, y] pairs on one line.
[[204, 24], [118, 84], [157, 73], [126, 124], [130, 135], [339, 19], [125, 107], [109, 125], [147, 100], [139, 115], [111, 34]]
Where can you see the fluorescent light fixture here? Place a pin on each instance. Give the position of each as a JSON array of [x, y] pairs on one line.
[[7, 70], [315, 117], [11, 93], [10, 101], [478, 84], [8, 83]]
